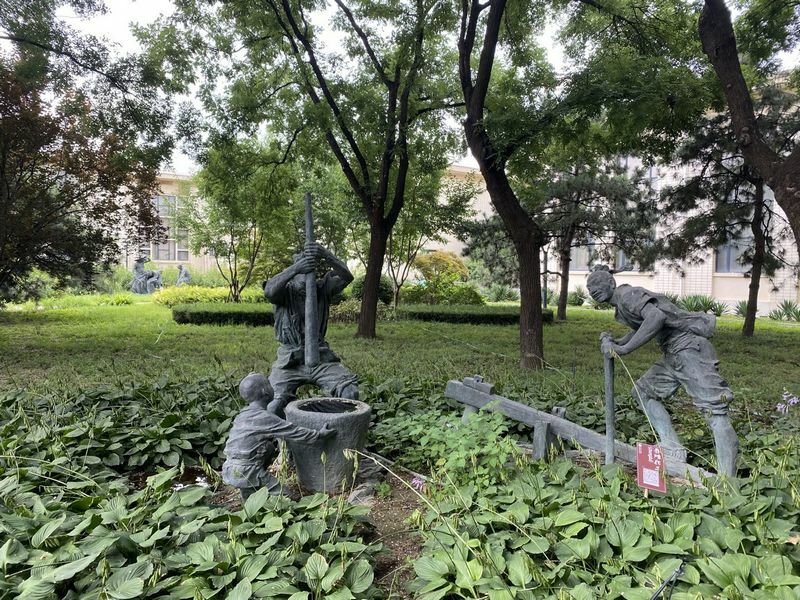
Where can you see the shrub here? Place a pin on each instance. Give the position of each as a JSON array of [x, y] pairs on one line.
[[348, 311], [674, 298], [577, 297], [191, 294], [498, 292], [719, 308], [791, 310], [697, 303], [741, 308], [490, 315], [256, 315], [462, 293], [34, 287], [385, 289], [119, 299], [599, 305], [787, 310], [458, 453], [455, 293]]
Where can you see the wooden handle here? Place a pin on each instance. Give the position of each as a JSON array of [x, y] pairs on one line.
[[312, 317]]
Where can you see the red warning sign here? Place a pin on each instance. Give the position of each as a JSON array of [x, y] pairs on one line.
[[650, 467]]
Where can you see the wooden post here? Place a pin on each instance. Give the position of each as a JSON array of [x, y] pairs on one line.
[[610, 433], [312, 318]]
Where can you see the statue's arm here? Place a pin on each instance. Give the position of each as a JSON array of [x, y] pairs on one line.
[[275, 288], [286, 431], [339, 268], [651, 325], [625, 338]]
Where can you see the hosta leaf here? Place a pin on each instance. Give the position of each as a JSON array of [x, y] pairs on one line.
[[46, 530], [161, 479], [35, 589], [622, 533], [537, 545], [333, 576], [192, 494], [12, 553], [251, 567], [519, 572], [242, 591], [315, 568], [270, 525], [299, 596], [340, 594], [430, 568], [359, 576], [124, 590], [256, 502], [70, 569], [568, 517]]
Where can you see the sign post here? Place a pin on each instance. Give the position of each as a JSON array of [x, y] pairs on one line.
[[650, 468], [608, 371]]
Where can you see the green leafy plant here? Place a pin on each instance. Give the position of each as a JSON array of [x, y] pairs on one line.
[[719, 308], [192, 294], [577, 296], [741, 308], [385, 289], [697, 303], [498, 292]]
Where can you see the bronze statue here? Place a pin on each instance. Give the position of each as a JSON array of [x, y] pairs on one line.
[[251, 447], [689, 361]]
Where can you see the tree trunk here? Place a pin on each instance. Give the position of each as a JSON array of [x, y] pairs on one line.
[[759, 245], [781, 174], [565, 258], [531, 340], [368, 316]]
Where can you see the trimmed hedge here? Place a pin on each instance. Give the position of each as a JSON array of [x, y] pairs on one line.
[[256, 315], [191, 294], [488, 315]]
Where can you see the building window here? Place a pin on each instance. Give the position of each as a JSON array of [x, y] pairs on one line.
[[623, 263], [729, 257], [176, 245], [582, 257]]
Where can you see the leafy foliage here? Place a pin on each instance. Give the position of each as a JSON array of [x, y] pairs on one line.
[[385, 290], [72, 524], [557, 528], [788, 310], [577, 296], [191, 294]]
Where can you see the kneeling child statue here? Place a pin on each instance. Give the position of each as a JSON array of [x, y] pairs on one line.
[[252, 443]]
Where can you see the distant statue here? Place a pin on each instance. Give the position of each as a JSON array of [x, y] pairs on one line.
[[251, 448], [144, 281], [287, 291], [689, 361], [184, 277]]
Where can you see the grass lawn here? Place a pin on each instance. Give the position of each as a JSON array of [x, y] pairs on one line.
[[88, 346]]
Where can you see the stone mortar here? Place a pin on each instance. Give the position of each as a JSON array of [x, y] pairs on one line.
[[350, 419]]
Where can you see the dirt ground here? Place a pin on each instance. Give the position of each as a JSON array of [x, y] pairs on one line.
[[401, 541]]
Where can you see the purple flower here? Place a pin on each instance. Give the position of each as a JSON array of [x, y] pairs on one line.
[[418, 483], [782, 408]]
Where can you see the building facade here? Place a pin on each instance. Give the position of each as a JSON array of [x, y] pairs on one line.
[[174, 250]]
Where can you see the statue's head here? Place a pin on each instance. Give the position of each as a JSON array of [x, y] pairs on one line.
[[601, 283], [255, 387]]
